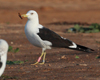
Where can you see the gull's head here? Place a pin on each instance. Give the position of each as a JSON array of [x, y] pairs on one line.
[[30, 15]]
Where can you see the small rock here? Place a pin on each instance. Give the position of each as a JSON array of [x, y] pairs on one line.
[[11, 42], [63, 57], [83, 64]]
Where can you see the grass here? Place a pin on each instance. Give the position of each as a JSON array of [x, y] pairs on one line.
[[98, 42], [93, 28], [76, 57], [97, 57], [10, 49], [14, 62], [4, 77], [16, 50], [7, 22], [13, 50]]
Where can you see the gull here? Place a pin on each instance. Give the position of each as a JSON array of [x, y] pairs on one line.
[[3, 55], [45, 38]]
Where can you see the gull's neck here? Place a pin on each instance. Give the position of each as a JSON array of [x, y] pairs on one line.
[[34, 21]]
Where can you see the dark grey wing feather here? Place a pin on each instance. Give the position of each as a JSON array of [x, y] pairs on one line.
[[55, 39]]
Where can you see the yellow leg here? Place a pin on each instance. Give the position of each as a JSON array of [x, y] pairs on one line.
[[43, 53], [43, 58]]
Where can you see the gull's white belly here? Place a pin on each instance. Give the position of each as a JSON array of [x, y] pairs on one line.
[[34, 39]]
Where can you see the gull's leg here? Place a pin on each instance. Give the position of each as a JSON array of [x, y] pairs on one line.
[[39, 59], [43, 58]]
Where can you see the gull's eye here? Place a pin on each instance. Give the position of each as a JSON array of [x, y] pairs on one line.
[[31, 13]]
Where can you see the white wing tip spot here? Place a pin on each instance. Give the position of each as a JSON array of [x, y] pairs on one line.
[[63, 38], [73, 46]]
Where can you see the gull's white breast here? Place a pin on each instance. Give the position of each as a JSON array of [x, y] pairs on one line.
[[33, 37]]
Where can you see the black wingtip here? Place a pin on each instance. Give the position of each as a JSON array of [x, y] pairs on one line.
[[89, 50], [85, 49]]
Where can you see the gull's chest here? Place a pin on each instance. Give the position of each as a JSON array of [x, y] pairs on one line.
[[31, 34]]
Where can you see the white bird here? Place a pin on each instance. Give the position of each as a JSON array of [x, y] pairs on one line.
[[3, 55], [44, 38]]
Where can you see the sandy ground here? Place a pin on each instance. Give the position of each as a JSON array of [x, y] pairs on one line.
[[60, 63]]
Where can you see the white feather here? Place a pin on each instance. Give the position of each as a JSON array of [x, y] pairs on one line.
[[73, 46], [3, 54]]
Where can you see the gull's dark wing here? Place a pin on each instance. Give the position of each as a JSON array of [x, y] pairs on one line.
[[55, 39]]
